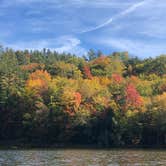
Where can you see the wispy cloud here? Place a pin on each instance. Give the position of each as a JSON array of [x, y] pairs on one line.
[[67, 44], [74, 3], [135, 47], [121, 14]]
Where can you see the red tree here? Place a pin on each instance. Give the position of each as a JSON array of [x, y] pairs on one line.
[[117, 78], [77, 96], [133, 98], [87, 72]]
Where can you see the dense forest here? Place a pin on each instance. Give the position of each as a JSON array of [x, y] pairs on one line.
[[105, 100]]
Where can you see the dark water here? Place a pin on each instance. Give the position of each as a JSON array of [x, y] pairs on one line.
[[77, 157]]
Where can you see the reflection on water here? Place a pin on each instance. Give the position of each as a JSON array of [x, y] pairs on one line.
[[77, 157]]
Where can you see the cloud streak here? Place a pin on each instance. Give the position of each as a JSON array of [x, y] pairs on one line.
[[120, 15]]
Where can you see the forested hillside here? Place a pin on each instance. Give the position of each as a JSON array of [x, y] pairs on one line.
[[98, 99]]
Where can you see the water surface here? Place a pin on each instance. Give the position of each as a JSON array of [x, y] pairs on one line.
[[76, 157]]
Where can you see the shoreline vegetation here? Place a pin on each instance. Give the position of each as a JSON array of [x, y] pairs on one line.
[[59, 100]]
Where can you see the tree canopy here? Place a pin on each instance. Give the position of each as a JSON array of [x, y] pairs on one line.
[[99, 99]]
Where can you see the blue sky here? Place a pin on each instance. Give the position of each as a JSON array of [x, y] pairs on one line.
[[137, 26]]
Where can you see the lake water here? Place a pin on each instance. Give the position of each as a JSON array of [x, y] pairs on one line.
[[76, 157]]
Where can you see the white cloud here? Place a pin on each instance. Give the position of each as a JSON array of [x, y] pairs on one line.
[[135, 47], [71, 45], [74, 3], [67, 44]]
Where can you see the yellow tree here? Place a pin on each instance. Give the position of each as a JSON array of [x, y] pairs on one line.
[[38, 81]]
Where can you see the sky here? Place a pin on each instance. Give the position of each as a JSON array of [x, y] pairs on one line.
[[75, 26]]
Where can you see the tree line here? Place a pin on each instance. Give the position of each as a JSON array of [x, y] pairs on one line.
[[112, 100]]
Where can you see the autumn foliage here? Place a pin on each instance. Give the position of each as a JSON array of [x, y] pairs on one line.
[[117, 78], [99, 100], [133, 98], [32, 66], [77, 96], [38, 80], [87, 72]]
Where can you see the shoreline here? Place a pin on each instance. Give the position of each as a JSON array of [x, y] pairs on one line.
[[15, 145]]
